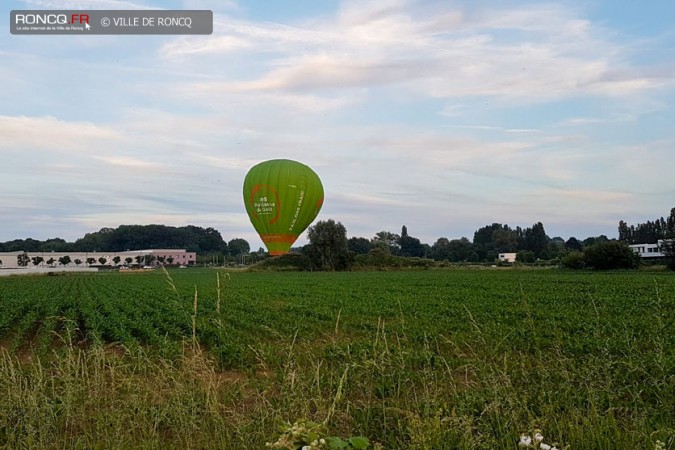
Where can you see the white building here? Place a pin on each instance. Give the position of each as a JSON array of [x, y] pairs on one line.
[[152, 257], [507, 257], [648, 250]]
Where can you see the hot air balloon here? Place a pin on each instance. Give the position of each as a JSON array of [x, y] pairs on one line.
[[282, 198]]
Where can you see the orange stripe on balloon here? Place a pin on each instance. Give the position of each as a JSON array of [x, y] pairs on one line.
[[278, 238]]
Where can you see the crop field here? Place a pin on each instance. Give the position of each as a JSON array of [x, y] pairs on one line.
[[436, 359]]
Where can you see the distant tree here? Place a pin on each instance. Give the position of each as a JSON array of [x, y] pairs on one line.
[[390, 239], [573, 244], [573, 260], [238, 246], [22, 260], [409, 246], [490, 240], [139, 259], [359, 245], [64, 260], [667, 247], [128, 260], [625, 232], [595, 240], [117, 260], [50, 262], [441, 251], [54, 245], [328, 248], [102, 260], [611, 255], [161, 259], [169, 260], [149, 259], [525, 256], [91, 261], [453, 250], [37, 260], [535, 240], [78, 262]]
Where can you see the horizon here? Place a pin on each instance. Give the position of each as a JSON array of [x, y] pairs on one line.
[[441, 118]]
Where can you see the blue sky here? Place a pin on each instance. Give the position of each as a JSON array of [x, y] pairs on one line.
[[443, 116]]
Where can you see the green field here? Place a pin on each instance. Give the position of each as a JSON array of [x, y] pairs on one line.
[[419, 359]]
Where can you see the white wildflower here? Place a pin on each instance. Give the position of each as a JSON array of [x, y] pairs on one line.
[[538, 437], [543, 446], [525, 441]]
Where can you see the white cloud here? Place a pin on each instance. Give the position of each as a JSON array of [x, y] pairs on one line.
[[53, 134]]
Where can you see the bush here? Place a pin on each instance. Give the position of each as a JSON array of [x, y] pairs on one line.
[[573, 260], [525, 256], [611, 255]]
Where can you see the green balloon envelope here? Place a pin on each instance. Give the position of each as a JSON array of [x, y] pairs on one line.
[[282, 198]]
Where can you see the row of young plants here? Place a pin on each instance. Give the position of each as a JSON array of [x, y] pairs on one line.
[[434, 359]]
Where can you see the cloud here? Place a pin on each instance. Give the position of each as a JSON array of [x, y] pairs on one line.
[[532, 53], [50, 133]]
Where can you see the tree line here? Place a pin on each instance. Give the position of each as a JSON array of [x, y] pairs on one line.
[[203, 241], [330, 249], [648, 232]]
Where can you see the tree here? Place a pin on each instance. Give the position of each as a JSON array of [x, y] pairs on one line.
[[535, 240], [78, 262], [441, 251], [238, 246], [410, 246], [102, 260], [390, 239], [359, 245], [22, 260], [667, 247], [574, 244], [328, 248], [37, 260], [50, 262], [117, 259], [611, 255], [64, 260], [91, 261], [525, 256], [128, 260], [595, 240], [573, 260]]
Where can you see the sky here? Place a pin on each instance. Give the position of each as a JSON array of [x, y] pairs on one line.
[[443, 116]]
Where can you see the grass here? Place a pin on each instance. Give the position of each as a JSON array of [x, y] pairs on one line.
[[426, 360]]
